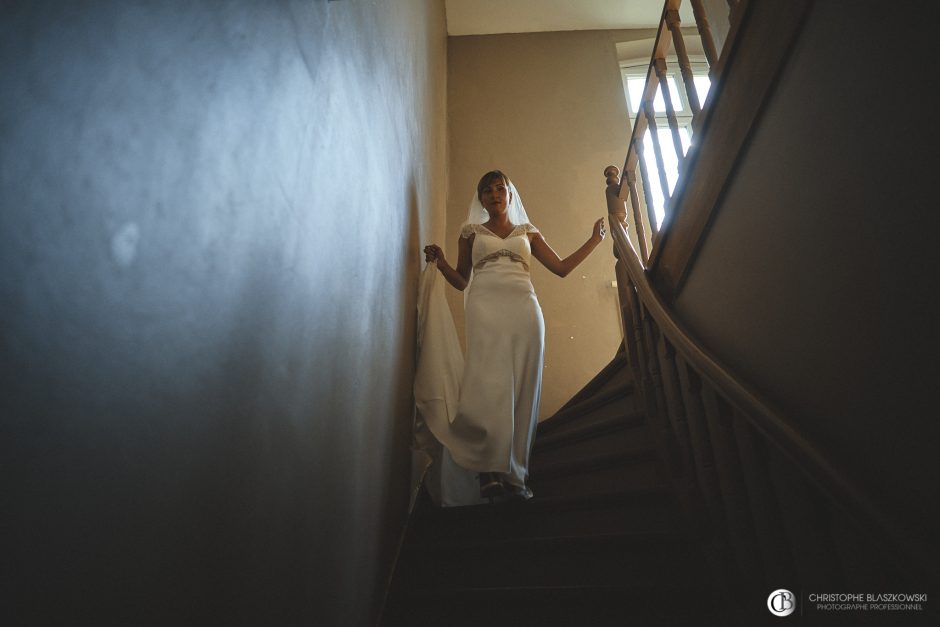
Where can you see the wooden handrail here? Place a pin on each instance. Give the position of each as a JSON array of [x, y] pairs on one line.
[[668, 34], [755, 51], [738, 464], [765, 417], [660, 46]]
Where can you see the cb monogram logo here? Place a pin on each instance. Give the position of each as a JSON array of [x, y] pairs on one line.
[[781, 602]]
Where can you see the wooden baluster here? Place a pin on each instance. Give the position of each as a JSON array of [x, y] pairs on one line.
[[733, 492], [690, 494], [853, 550], [658, 153], [657, 410], [660, 67], [657, 431], [804, 521], [641, 231], [627, 293], [705, 32], [630, 304], [674, 404], [619, 271], [647, 189], [685, 68], [704, 459], [716, 534], [773, 543], [640, 357]]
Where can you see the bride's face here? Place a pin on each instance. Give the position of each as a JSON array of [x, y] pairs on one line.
[[495, 197]]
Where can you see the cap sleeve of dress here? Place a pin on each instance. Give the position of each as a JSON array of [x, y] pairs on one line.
[[529, 228], [468, 230]]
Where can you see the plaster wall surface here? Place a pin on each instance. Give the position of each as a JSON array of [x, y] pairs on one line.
[[549, 110], [813, 282], [210, 236]]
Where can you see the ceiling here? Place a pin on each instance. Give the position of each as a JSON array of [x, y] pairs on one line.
[[489, 17]]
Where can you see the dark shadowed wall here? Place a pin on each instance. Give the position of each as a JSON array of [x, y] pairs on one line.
[[210, 227], [815, 278]]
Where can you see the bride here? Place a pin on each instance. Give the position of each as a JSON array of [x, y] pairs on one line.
[[497, 413]]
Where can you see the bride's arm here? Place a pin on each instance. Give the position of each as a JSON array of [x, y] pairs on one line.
[[460, 276], [550, 259]]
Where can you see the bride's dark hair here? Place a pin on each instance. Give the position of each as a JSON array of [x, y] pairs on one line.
[[488, 178]]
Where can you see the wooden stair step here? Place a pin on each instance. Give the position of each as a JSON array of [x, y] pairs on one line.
[[550, 606], [617, 400], [547, 505], [633, 511], [588, 428], [623, 559], [610, 437], [602, 543], [634, 471], [619, 459], [614, 373], [499, 544], [620, 377]]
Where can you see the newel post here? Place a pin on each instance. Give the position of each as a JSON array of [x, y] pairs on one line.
[[615, 206]]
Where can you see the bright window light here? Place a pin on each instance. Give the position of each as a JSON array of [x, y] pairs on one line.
[[670, 161], [635, 89], [702, 85], [634, 78]]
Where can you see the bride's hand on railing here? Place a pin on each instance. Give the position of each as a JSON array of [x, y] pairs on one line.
[[600, 231]]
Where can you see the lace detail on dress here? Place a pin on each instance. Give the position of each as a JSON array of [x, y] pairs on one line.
[[501, 253], [470, 229]]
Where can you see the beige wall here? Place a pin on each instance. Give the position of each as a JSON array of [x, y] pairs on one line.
[[549, 110], [211, 217]]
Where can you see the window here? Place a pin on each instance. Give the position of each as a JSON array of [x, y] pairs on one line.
[[634, 79]]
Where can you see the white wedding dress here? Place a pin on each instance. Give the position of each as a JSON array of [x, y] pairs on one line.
[[490, 426]]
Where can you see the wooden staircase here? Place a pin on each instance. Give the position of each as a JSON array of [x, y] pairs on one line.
[[603, 542]]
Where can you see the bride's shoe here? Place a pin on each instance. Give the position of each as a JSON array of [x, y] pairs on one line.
[[517, 493], [490, 486]]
